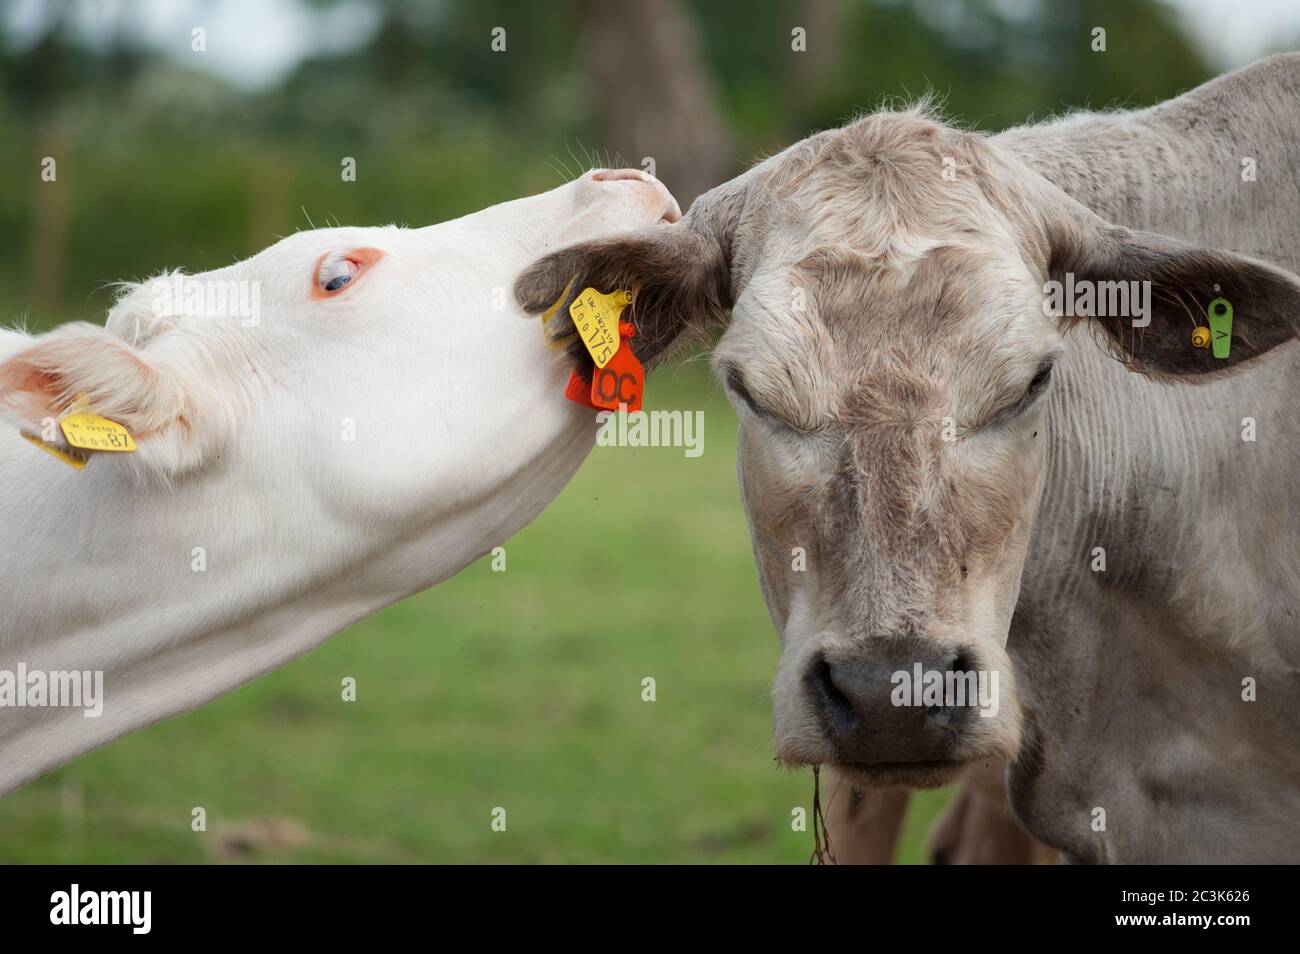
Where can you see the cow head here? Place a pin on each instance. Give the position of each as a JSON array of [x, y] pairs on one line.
[[401, 342], [890, 353]]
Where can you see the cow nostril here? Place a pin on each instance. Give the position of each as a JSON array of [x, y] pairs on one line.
[[615, 175], [838, 709], [962, 662], [950, 713]]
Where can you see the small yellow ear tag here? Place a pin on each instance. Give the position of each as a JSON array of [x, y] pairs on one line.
[[595, 315], [94, 433], [72, 459], [85, 432]]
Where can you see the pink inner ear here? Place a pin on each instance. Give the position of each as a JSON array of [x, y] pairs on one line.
[[29, 390], [27, 378], [362, 258]]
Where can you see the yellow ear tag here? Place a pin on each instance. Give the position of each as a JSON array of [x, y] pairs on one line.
[[94, 433], [74, 458], [595, 315]]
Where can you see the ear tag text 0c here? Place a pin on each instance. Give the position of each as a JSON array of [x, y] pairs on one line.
[[622, 381]]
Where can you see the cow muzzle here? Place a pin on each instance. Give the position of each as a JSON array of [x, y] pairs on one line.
[[903, 711]]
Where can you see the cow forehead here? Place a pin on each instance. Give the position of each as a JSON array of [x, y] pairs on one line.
[[883, 174], [893, 231]]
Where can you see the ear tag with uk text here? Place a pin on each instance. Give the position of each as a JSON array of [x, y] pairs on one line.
[[1220, 313], [94, 433], [595, 316], [86, 432]]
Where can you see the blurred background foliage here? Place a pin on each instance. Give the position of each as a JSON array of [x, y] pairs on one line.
[[162, 163], [491, 689]]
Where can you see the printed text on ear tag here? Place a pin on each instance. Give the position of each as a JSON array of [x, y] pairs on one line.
[[621, 383], [94, 433], [1220, 312], [595, 316]]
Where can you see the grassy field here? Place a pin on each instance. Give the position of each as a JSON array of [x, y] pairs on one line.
[[518, 689]]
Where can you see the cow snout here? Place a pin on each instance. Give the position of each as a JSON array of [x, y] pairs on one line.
[[889, 700], [654, 193]]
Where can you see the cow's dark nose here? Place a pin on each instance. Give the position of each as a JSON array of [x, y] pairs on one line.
[[870, 711]]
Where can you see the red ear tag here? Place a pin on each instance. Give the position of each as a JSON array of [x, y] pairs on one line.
[[578, 392], [622, 380]]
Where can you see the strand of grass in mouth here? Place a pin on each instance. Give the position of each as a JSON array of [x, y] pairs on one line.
[[821, 853]]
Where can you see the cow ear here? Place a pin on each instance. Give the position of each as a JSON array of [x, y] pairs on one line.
[[678, 276], [87, 366], [1172, 289]]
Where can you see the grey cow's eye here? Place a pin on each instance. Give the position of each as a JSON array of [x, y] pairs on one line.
[[736, 384], [735, 381], [337, 282], [1015, 407], [1039, 383]]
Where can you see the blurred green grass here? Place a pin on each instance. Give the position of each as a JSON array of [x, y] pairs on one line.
[[518, 689]]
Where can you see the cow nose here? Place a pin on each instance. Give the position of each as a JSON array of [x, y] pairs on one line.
[[870, 711], [671, 211]]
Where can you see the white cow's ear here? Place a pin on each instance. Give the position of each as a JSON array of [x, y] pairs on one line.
[[1176, 286], [87, 365]]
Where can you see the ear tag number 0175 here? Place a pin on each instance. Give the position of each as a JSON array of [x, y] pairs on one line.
[[595, 316]]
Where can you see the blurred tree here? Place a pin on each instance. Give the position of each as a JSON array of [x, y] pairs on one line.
[[161, 164], [38, 82], [994, 63], [655, 97]]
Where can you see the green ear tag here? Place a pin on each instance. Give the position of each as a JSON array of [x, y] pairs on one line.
[[1220, 327]]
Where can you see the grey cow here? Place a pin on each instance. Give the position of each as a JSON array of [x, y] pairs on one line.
[[990, 477]]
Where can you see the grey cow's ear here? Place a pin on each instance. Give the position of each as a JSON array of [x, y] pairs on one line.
[[1181, 283], [677, 273]]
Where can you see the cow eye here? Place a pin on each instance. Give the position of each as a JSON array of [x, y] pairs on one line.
[[336, 272], [736, 384], [1039, 383]]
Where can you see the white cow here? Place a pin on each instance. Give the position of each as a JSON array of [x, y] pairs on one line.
[[369, 414]]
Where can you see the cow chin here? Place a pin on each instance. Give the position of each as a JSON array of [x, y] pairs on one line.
[[932, 773], [995, 744], [906, 775]]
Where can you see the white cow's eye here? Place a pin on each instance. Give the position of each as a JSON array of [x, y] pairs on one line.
[[335, 272]]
